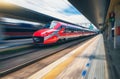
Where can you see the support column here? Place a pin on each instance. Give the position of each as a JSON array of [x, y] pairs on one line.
[[110, 32]]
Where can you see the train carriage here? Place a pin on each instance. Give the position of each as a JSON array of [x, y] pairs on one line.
[[56, 31]]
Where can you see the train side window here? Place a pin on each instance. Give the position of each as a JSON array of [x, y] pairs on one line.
[[62, 26], [72, 30], [67, 30]]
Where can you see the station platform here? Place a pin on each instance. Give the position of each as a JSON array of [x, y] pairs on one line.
[[85, 62]]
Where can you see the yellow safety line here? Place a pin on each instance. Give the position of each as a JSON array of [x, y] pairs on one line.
[[60, 67]]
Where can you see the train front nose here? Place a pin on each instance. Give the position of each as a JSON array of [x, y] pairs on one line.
[[38, 36], [45, 36]]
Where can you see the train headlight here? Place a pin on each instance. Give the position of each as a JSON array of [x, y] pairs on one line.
[[38, 39]]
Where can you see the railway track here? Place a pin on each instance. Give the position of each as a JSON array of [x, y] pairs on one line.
[[19, 61]]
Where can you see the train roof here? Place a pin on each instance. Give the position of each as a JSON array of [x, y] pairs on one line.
[[73, 25]]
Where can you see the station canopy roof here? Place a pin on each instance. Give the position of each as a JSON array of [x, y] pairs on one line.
[[95, 10]]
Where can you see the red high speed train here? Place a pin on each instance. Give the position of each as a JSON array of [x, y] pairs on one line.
[[57, 31]]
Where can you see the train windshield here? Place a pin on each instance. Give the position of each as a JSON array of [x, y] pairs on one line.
[[53, 24], [47, 25]]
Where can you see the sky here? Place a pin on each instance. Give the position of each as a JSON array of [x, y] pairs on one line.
[[61, 9]]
